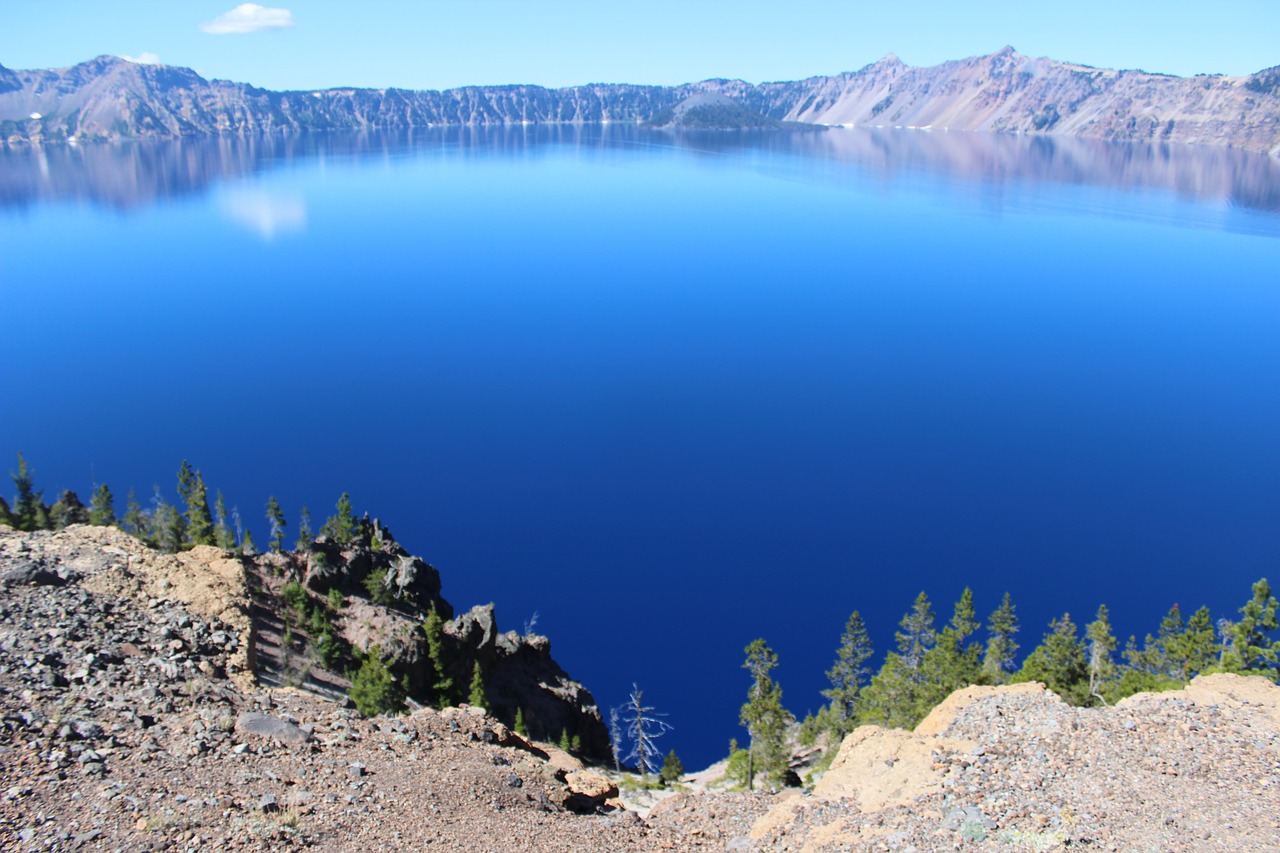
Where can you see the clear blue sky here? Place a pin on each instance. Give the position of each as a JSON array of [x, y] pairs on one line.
[[443, 43]]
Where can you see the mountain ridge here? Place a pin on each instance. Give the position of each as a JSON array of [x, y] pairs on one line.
[[107, 98]]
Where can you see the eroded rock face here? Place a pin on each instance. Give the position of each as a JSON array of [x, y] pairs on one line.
[[520, 675]]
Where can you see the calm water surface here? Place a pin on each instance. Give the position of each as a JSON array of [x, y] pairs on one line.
[[672, 394]]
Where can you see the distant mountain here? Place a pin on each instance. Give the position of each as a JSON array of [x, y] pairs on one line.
[[712, 111], [109, 98]]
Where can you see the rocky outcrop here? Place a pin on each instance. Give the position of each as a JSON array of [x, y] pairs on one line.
[[1012, 768], [1005, 92], [386, 592], [520, 675]]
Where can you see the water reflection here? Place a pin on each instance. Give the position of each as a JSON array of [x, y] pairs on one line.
[[127, 176], [267, 214]]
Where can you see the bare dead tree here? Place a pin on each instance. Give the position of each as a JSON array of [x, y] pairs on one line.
[[644, 727]]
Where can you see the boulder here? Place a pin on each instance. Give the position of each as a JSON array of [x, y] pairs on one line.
[[266, 726]]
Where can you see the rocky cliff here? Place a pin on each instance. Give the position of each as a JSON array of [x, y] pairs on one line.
[[344, 601], [109, 98]]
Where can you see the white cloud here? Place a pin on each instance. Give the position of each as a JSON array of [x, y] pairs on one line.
[[248, 18], [144, 58], [267, 214]]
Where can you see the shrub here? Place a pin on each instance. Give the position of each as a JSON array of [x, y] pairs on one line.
[[374, 690]]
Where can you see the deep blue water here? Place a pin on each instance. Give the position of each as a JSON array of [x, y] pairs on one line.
[[673, 394]]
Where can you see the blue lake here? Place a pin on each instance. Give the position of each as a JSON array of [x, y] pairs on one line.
[[676, 393]]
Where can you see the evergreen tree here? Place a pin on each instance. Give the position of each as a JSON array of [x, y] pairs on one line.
[[849, 673], [28, 507], [1193, 651], [305, 536], [764, 717], [6, 515], [475, 695], [164, 525], [1000, 659], [341, 527], [275, 518], [199, 521], [67, 510], [247, 548], [917, 634], [519, 726], [133, 522], [954, 661], [374, 690], [1101, 645], [672, 768], [433, 627], [564, 744], [222, 535], [102, 510], [1059, 662], [186, 482], [1252, 650]]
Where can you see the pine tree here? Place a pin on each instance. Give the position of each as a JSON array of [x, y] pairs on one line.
[[247, 548], [28, 507], [222, 535], [1059, 662], [102, 511], [275, 518], [164, 525], [1001, 656], [564, 744], [917, 634], [374, 690], [519, 726], [1251, 650], [6, 515], [764, 717], [954, 661], [1101, 645], [305, 536], [672, 768], [1193, 651], [199, 521], [341, 527], [849, 673], [475, 695], [433, 627], [133, 522], [67, 510], [186, 481]]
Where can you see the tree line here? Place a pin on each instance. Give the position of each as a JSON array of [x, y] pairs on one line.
[[927, 663], [169, 527]]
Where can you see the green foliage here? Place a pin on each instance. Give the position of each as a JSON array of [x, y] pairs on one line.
[[102, 510], [895, 695], [275, 518], [341, 527], [68, 510], [330, 649], [247, 547], [133, 521], [764, 717], [564, 743], [294, 595], [375, 583], [305, 536], [1060, 662], [1103, 676], [29, 511], [955, 661], [1251, 650], [672, 768], [223, 537], [738, 770], [198, 521], [849, 674], [433, 627], [165, 527], [374, 689], [6, 514], [334, 599], [520, 727], [1001, 657], [475, 695]]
